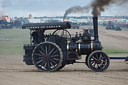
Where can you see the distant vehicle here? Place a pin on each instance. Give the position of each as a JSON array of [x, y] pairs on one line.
[[104, 24], [17, 23], [5, 25], [51, 21], [113, 27], [110, 27], [117, 27], [74, 25], [83, 24]]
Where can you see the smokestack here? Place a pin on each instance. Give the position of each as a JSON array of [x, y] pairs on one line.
[[95, 25]]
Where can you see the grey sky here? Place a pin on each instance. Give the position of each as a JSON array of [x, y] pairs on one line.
[[47, 7]]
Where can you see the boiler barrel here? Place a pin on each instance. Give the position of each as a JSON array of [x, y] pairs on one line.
[[84, 49]]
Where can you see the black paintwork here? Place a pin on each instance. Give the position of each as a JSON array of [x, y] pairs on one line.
[[76, 48]]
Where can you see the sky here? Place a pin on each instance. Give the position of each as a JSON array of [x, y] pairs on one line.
[[39, 8]]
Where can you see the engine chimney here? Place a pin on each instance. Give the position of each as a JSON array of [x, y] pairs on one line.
[[95, 25]]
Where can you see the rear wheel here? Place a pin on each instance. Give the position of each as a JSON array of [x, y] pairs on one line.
[[61, 66], [47, 56], [98, 61]]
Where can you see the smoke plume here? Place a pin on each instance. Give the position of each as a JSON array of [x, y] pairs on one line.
[[97, 6], [77, 9]]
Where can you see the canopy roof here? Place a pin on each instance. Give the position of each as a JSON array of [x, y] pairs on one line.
[[47, 26]]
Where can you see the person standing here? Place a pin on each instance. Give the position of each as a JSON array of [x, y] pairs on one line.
[[41, 37], [35, 37]]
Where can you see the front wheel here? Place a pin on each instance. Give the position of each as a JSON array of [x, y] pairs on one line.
[[98, 61], [86, 60], [47, 56]]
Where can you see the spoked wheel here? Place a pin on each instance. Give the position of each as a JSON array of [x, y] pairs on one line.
[[98, 61], [61, 66], [47, 56]]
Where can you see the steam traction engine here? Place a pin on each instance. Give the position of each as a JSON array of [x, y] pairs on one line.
[[60, 48]]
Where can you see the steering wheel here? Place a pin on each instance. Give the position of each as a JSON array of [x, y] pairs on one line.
[[63, 33]]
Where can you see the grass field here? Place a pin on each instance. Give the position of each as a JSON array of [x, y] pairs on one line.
[[114, 50], [12, 40]]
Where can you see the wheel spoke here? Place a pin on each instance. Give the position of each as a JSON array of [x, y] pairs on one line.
[[104, 61], [53, 63], [43, 62], [103, 57], [55, 52], [98, 66], [94, 65], [97, 56], [46, 50], [41, 52], [54, 56], [103, 65], [94, 58], [42, 49], [100, 57], [40, 61], [39, 55], [48, 65], [55, 59], [92, 61], [51, 51]]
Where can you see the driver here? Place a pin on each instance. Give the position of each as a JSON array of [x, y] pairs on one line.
[[35, 37], [41, 36], [86, 35]]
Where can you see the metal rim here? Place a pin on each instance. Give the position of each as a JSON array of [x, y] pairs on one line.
[[47, 56], [86, 60], [98, 61], [61, 66]]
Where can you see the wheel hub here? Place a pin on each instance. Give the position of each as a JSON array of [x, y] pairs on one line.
[[99, 61], [46, 57]]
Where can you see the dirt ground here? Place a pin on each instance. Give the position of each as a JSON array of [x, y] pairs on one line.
[[113, 39], [14, 72]]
